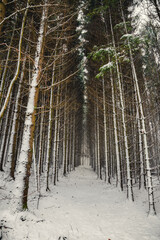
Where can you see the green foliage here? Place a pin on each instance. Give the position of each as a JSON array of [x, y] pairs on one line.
[[121, 26], [107, 55], [104, 53], [99, 75], [105, 68], [134, 41], [101, 53]]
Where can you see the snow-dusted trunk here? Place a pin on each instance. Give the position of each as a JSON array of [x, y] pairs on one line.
[[115, 132], [25, 157], [129, 184], [3, 136], [98, 142], [134, 142], [143, 126], [142, 175], [49, 139], [105, 133], [55, 142], [13, 138], [153, 126], [39, 165], [34, 163], [55, 149], [158, 148], [58, 147], [8, 134], [95, 140], [114, 117], [70, 143], [146, 150], [64, 134], [67, 141], [73, 139]]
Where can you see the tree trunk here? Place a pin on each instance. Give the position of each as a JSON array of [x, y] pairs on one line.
[[56, 129], [13, 139], [18, 64], [25, 158], [105, 133], [129, 183], [49, 139], [65, 134], [146, 152], [115, 133]]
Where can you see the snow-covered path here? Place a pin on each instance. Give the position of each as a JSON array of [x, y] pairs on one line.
[[82, 207]]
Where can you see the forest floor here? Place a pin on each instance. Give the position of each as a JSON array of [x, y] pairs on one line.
[[81, 207]]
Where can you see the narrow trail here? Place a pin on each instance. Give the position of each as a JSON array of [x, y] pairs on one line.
[[88, 209], [81, 207]]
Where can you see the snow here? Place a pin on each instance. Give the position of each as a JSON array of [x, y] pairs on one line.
[[127, 35], [81, 207], [142, 13], [23, 157], [107, 66], [144, 20]]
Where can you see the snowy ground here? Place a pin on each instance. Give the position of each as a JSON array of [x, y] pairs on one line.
[[82, 207]]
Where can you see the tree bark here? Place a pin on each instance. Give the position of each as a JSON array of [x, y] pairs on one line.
[[129, 183], [152, 210], [25, 158]]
